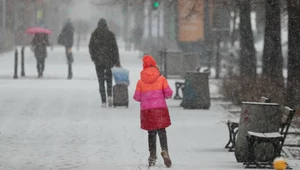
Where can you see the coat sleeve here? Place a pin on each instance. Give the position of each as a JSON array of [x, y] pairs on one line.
[[71, 36], [137, 93], [115, 50], [92, 47], [166, 89]]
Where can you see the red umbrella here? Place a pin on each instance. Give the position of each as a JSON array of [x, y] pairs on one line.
[[36, 30]]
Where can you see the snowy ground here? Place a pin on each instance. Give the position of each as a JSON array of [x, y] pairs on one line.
[[57, 124]]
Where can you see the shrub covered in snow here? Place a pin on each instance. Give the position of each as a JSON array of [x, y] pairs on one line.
[[238, 89]]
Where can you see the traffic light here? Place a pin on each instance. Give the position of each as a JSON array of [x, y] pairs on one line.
[[125, 7], [155, 4]]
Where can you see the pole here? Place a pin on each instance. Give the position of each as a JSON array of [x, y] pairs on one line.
[[218, 62], [16, 8], [16, 64], [3, 14], [150, 22], [208, 36], [126, 24], [15, 14], [158, 26], [22, 62], [161, 58], [165, 62]]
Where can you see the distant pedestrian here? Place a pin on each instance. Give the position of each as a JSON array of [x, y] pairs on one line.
[[39, 44], [104, 52], [137, 35], [152, 90], [66, 38]]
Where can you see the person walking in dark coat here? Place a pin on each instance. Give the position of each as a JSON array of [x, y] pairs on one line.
[[39, 44], [104, 52], [66, 38]]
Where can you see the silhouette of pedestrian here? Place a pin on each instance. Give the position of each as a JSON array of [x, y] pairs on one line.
[[39, 44], [66, 38], [104, 52]]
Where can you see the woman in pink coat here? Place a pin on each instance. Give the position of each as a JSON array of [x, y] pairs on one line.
[[152, 90]]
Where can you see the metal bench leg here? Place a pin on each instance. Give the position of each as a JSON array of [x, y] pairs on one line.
[[230, 137], [251, 149], [178, 87], [250, 160], [231, 149], [177, 92], [177, 95], [277, 149]]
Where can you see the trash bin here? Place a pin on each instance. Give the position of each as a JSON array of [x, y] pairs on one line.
[[196, 91], [256, 117]]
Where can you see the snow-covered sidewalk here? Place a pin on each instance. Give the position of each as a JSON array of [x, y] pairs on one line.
[[55, 123]]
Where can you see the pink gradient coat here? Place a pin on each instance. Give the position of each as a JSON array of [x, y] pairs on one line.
[[152, 90]]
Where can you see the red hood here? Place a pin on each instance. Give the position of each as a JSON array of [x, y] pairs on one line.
[[150, 75]]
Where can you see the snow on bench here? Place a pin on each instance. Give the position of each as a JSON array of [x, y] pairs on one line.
[[265, 135]]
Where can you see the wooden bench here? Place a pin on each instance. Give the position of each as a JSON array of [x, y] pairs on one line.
[[275, 138], [233, 129]]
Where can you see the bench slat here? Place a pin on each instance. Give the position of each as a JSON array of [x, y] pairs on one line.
[[256, 134], [265, 135], [273, 135]]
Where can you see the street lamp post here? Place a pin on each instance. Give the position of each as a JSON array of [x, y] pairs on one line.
[[158, 27], [3, 14], [150, 22]]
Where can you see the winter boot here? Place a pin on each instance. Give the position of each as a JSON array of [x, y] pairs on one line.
[[166, 157], [110, 101], [103, 105], [70, 72], [152, 158], [70, 76], [39, 75]]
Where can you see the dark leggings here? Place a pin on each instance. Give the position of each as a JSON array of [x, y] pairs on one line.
[[162, 138], [70, 61], [104, 74], [40, 64]]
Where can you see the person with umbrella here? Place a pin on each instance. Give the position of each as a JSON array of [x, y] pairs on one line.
[[39, 44]]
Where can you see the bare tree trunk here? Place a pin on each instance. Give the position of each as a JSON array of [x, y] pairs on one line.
[[293, 82], [247, 53], [272, 53], [247, 63], [260, 19], [234, 30]]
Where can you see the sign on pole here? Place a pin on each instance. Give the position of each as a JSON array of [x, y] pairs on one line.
[[191, 20]]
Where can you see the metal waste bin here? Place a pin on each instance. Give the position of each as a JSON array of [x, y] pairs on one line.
[[256, 117], [196, 91]]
